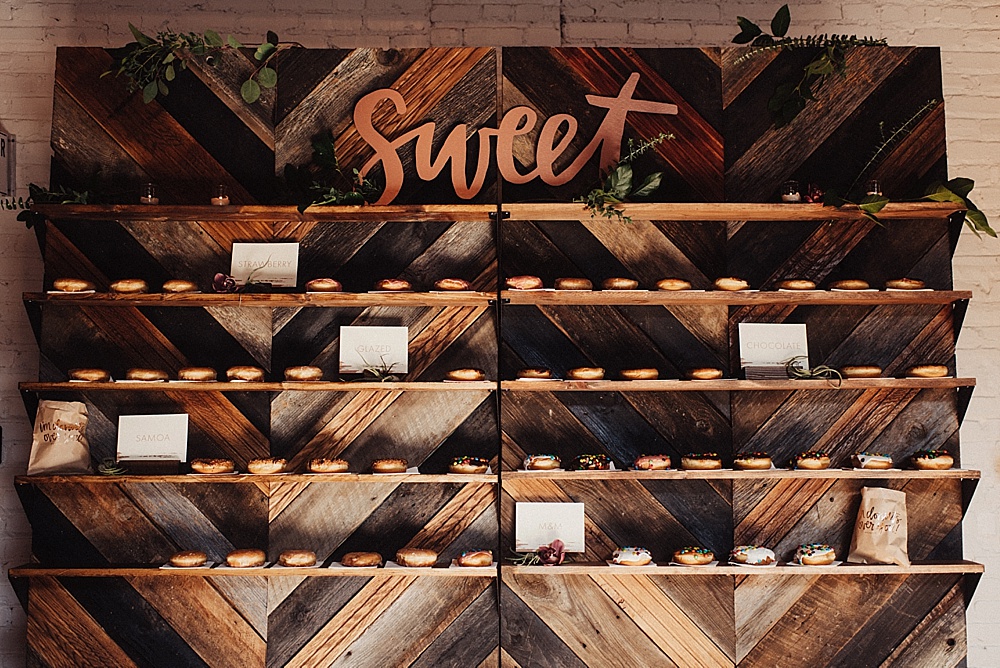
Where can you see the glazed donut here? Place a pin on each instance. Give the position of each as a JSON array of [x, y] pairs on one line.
[[632, 556], [252, 374], [534, 372], [452, 284], [904, 284], [303, 373], [815, 554], [246, 558], [850, 284], [861, 371], [590, 463], [324, 465], [297, 558], [927, 371], [468, 465], [730, 284], [188, 559], [323, 285], [176, 285], [90, 375], [416, 558], [752, 554], [574, 284], [541, 462], [701, 461], [524, 283], [652, 463], [198, 373], [475, 558], [813, 460], [933, 460], [393, 285], [673, 284], [397, 465], [871, 460], [266, 465], [694, 556], [619, 284], [639, 374], [585, 373], [703, 373], [752, 461], [466, 374], [796, 284], [361, 560], [129, 286], [145, 374], [72, 285], [212, 466]]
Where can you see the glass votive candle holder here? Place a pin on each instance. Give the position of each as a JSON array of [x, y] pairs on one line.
[[148, 194], [873, 188], [790, 192], [221, 196]]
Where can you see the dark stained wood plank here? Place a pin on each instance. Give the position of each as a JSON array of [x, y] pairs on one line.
[[946, 621], [470, 638], [526, 640]]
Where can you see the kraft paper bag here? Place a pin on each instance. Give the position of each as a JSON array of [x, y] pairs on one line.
[[880, 531], [59, 444]]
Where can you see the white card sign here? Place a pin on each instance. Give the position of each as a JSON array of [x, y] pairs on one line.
[[149, 437], [277, 264], [374, 347], [763, 344], [538, 524]]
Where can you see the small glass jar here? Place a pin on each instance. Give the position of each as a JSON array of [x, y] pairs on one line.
[[790, 192], [148, 194], [873, 188], [221, 196]]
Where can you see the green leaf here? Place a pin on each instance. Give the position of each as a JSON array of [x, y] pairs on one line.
[[162, 86], [149, 92], [873, 203], [941, 193], [961, 186], [272, 37], [169, 73], [976, 219], [233, 42], [620, 180], [139, 37], [267, 77], [779, 24], [748, 30], [169, 58], [649, 185], [250, 91], [212, 38], [264, 50]]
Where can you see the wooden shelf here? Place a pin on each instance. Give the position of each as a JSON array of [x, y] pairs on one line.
[[730, 474], [726, 385], [930, 567], [722, 298], [300, 386], [198, 479], [32, 570], [268, 300]]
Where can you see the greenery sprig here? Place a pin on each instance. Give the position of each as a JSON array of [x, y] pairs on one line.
[[40, 195], [322, 181], [607, 200]]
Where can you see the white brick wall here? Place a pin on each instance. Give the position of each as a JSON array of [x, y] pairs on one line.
[[30, 31]]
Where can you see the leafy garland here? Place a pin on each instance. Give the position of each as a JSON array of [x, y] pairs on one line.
[[606, 200], [39, 195], [322, 182]]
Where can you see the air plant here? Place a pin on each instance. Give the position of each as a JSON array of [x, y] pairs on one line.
[[379, 373], [109, 466], [793, 367], [552, 554]]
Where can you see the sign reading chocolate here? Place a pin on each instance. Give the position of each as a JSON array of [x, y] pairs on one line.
[[516, 122]]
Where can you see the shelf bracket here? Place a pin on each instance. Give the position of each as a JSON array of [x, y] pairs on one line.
[[504, 215]]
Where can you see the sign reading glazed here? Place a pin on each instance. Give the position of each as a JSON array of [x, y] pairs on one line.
[[277, 264], [537, 524], [144, 437], [384, 350]]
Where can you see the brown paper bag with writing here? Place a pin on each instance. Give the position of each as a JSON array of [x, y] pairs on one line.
[[59, 443], [880, 531]]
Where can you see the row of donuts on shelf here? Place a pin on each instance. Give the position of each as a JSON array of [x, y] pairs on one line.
[[813, 460], [409, 557], [809, 554], [276, 465], [138, 286]]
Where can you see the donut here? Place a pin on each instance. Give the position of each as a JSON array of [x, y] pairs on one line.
[[198, 373], [534, 372], [574, 284], [266, 465], [730, 284], [468, 465], [752, 554], [303, 373], [129, 286], [452, 284], [90, 375], [631, 556], [861, 371], [297, 558], [619, 284], [652, 463], [72, 285], [813, 460], [871, 460], [245, 558], [703, 373], [188, 559], [245, 373], [361, 560], [639, 374], [389, 466], [752, 461], [590, 463], [145, 374], [673, 284], [694, 556], [701, 461], [585, 373], [796, 284], [466, 374], [815, 554], [176, 285], [414, 557], [904, 284], [541, 462], [393, 285], [324, 465], [850, 284], [475, 558], [927, 371], [524, 283], [212, 466], [932, 460], [324, 285]]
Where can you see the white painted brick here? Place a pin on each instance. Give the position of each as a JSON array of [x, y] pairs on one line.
[[661, 33], [596, 33]]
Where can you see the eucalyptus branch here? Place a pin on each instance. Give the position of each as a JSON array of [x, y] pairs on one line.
[[897, 135]]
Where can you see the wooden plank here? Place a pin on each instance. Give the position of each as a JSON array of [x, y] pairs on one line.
[[455, 517], [468, 639], [730, 474], [708, 602], [271, 300], [526, 640], [760, 603], [946, 620], [670, 385], [732, 211]]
